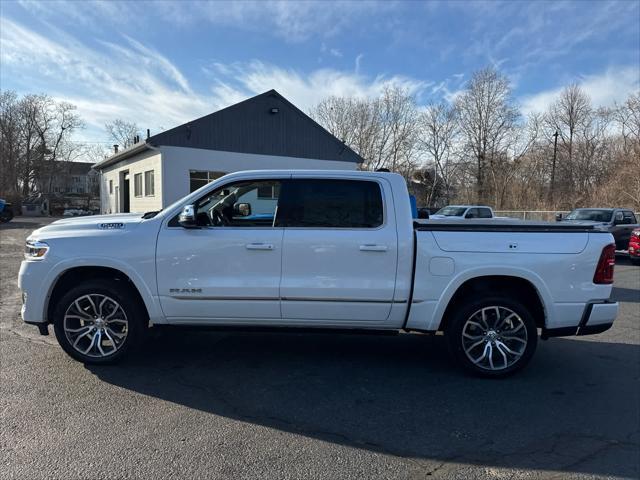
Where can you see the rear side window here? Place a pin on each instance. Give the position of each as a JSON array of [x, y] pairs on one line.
[[628, 218], [484, 213], [330, 204]]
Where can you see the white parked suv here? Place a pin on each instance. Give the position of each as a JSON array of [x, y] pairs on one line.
[[316, 250]]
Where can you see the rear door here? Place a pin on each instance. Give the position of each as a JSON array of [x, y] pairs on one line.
[[340, 251]]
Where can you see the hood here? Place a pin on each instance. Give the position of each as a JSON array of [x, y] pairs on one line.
[[88, 225]]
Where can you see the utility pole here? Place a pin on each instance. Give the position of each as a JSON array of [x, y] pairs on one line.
[[553, 167]]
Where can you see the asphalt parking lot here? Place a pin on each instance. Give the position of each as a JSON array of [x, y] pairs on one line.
[[238, 405]]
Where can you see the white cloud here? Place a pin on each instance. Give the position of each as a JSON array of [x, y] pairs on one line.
[[605, 89], [132, 81]]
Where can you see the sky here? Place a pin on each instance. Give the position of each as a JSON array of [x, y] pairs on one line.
[[163, 63]]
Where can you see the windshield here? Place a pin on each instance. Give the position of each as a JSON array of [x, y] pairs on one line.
[[451, 211], [590, 215]]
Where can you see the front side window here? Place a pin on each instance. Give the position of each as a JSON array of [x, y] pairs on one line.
[[238, 205], [110, 186], [330, 204], [137, 184], [149, 186]]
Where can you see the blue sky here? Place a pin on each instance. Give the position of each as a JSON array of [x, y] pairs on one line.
[[163, 63]]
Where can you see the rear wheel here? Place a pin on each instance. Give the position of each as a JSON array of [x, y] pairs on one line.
[[98, 322], [492, 336]]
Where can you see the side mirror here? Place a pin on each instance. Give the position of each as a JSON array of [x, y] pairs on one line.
[[423, 213], [470, 215], [558, 217], [619, 218], [242, 209], [187, 218]]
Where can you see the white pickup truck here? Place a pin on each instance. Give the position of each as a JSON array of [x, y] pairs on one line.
[[462, 212], [316, 250]]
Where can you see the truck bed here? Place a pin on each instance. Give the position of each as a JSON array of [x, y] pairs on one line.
[[497, 225]]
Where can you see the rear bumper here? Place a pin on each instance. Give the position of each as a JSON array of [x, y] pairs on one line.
[[596, 318]]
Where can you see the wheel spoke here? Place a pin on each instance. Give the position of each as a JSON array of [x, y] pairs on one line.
[[81, 336], [93, 340], [507, 348], [517, 339], [504, 355], [99, 342], [491, 356], [81, 311], [484, 319], [93, 305], [78, 330]]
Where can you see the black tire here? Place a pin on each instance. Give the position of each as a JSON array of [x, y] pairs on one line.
[[6, 216], [635, 260], [118, 291], [473, 307]]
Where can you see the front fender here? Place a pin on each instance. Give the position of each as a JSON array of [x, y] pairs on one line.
[[145, 288]]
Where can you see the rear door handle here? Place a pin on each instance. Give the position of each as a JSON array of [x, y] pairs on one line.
[[259, 246], [373, 248]]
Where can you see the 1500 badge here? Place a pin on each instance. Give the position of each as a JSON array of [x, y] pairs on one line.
[[185, 290], [111, 226]]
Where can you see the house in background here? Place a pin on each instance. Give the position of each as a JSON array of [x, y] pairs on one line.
[[60, 185], [262, 132], [65, 178]]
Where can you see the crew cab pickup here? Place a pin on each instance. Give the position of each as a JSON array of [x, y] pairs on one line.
[[316, 250], [620, 222]]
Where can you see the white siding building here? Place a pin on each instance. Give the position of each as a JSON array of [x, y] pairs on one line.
[[263, 132]]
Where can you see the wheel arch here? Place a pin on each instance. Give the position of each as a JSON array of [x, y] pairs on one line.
[[515, 286], [77, 274]]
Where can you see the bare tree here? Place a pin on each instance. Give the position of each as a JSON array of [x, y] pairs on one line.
[[568, 116], [437, 134], [121, 132], [487, 118], [35, 135]]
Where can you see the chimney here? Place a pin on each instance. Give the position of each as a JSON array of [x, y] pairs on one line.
[[115, 149], [148, 133]]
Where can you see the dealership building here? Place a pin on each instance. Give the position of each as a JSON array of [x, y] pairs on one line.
[[263, 132]]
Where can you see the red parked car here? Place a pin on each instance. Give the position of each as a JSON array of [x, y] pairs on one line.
[[634, 246]]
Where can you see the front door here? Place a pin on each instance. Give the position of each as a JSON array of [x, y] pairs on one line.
[[227, 270], [339, 253]]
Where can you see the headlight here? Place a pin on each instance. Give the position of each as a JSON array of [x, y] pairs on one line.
[[35, 250]]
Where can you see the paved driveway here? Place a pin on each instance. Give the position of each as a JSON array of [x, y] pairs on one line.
[[234, 405]]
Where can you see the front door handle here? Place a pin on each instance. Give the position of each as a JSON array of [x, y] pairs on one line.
[[373, 248], [259, 246]]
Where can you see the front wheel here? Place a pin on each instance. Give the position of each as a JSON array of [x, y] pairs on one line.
[[492, 336], [98, 322]]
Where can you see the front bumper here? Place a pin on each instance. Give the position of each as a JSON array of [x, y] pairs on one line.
[[32, 282], [596, 318]]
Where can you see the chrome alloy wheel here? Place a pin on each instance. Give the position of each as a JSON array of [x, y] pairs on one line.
[[95, 325], [494, 338]]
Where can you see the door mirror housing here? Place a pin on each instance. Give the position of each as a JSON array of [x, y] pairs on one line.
[[187, 218], [242, 210], [558, 217], [618, 218]]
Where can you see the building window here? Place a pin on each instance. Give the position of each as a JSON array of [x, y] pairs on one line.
[[269, 191], [199, 178], [137, 184], [149, 188], [110, 187]]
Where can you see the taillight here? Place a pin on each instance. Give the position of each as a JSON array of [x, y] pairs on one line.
[[604, 270]]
